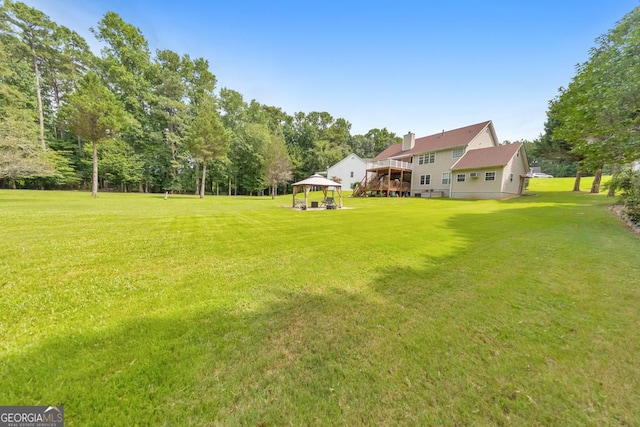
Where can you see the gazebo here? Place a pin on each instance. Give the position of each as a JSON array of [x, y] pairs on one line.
[[316, 181]]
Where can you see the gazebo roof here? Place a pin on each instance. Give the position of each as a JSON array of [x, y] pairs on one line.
[[319, 181]]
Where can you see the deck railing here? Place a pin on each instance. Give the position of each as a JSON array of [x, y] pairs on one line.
[[389, 163], [383, 185]]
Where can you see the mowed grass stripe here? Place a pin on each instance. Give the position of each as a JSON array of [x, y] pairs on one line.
[[234, 310]]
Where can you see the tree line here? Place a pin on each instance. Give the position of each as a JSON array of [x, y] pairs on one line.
[[130, 119], [593, 124]]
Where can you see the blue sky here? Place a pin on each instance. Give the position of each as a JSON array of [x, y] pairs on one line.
[[420, 66]]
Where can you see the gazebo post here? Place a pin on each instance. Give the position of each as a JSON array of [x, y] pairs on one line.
[[306, 195]]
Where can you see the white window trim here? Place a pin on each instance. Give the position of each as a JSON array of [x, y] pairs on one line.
[[425, 158], [494, 176], [449, 178], [453, 152]]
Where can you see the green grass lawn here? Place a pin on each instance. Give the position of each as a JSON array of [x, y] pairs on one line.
[[134, 310]]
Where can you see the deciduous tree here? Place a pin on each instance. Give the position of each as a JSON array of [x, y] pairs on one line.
[[599, 111], [278, 166], [373, 142]]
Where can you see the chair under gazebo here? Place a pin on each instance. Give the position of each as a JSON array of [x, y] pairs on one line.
[[316, 180]]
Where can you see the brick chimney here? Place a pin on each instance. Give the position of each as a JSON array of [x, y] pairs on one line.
[[408, 141]]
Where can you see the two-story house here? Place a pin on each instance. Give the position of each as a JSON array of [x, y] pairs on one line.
[[462, 163]]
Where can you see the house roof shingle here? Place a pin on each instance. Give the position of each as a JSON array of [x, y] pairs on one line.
[[436, 142], [487, 157]]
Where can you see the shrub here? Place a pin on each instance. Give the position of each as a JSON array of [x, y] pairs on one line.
[[628, 183]]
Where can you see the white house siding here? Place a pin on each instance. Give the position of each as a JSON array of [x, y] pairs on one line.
[[484, 139], [510, 186], [443, 163], [501, 188], [516, 167], [350, 169], [478, 188]]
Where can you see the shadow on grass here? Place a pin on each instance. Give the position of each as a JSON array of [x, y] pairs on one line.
[[515, 319], [288, 362], [493, 333]]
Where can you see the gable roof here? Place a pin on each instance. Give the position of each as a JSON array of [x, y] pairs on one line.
[[436, 142], [364, 161], [499, 155]]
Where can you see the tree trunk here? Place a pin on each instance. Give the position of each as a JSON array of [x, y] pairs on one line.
[[174, 150], [274, 191], [58, 132], [94, 179], [197, 178], [204, 180], [229, 185], [576, 185], [595, 187], [39, 97], [612, 189]]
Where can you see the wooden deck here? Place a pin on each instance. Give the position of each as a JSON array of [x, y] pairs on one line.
[[395, 165], [382, 187], [390, 178]]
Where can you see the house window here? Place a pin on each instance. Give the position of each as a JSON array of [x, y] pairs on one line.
[[461, 177], [351, 174], [458, 152], [425, 179], [426, 158], [510, 177], [489, 176], [446, 177]]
